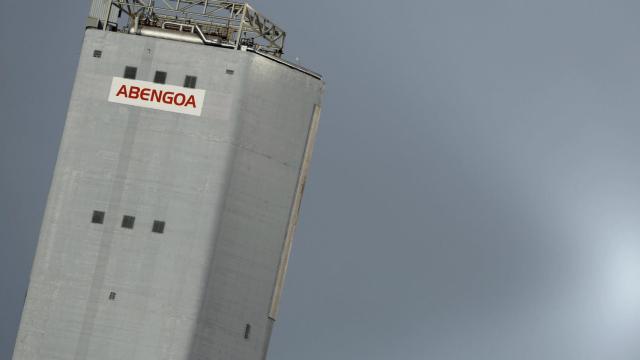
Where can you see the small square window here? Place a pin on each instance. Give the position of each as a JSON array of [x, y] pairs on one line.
[[128, 221], [97, 53], [112, 296], [160, 77], [130, 72], [190, 82], [98, 217], [158, 227]]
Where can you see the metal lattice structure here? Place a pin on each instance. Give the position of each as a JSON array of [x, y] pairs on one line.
[[224, 23]]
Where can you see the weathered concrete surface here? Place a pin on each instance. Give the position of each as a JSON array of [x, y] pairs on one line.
[[224, 183]]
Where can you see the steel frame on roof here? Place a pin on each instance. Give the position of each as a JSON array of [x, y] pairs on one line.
[[236, 24]]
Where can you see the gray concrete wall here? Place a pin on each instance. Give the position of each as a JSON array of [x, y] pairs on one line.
[[224, 183]]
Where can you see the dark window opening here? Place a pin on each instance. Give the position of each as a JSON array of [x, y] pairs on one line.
[[98, 217], [160, 77], [190, 82], [128, 221], [112, 296], [158, 227], [97, 53], [247, 331], [130, 72], [230, 72]]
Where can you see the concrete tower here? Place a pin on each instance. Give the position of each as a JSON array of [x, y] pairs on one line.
[[177, 187]]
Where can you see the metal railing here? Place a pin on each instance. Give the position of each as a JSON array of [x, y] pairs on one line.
[[227, 23]]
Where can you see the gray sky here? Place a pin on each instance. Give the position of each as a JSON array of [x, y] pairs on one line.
[[475, 193]]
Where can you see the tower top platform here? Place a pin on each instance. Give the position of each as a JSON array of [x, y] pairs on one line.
[[211, 22]]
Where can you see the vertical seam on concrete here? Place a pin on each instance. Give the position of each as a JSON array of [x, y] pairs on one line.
[[234, 117], [117, 192], [295, 210]]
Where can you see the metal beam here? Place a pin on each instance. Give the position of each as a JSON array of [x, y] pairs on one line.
[[237, 24]]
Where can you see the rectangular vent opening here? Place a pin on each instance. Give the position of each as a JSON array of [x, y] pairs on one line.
[[97, 53], [247, 331], [190, 81], [130, 72], [160, 77], [128, 221], [97, 217], [158, 227]]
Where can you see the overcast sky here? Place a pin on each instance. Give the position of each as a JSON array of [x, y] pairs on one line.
[[475, 192]]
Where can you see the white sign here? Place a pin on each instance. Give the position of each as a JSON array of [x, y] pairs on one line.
[[157, 96]]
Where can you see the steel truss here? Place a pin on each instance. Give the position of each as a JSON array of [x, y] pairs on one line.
[[231, 23]]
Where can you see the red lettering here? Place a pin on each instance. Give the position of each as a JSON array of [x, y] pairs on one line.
[[167, 98], [144, 95], [156, 95], [159, 96], [191, 101], [179, 99], [122, 91], [134, 92]]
